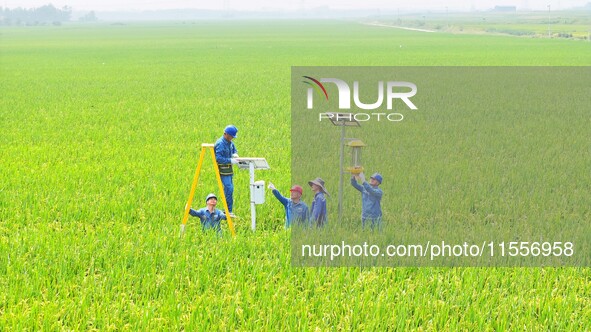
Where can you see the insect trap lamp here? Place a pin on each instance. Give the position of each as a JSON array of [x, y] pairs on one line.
[[356, 147]]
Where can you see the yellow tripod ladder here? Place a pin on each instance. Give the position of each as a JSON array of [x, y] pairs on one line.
[[204, 147]]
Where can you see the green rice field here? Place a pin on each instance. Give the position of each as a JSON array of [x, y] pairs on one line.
[[101, 126]]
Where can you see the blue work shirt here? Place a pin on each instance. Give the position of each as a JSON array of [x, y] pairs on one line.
[[318, 210], [209, 219], [370, 200], [294, 212], [224, 150]]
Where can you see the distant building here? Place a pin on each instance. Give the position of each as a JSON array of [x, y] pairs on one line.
[[505, 9]]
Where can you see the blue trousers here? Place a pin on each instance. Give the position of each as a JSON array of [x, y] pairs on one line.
[[228, 190]]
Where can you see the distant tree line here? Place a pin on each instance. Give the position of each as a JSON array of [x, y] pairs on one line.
[[43, 15]]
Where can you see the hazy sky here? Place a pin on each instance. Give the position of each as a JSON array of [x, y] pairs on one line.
[[103, 5]]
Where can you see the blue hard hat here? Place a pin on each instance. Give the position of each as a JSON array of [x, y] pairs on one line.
[[210, 196], [378, 177], [231, 130]]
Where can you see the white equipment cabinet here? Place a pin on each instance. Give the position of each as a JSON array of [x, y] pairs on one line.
[[257, 188]]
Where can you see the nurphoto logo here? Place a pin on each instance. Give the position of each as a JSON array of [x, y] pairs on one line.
[[390, 91]]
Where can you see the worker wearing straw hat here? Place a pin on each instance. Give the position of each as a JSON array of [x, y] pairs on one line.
[[318, 210]]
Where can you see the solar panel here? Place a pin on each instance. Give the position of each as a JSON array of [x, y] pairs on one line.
[[259, 163]]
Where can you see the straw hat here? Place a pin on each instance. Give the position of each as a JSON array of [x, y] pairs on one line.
[[319, 182]]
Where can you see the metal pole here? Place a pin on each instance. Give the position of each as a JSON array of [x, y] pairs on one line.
[[253, 211], [341, 173]]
